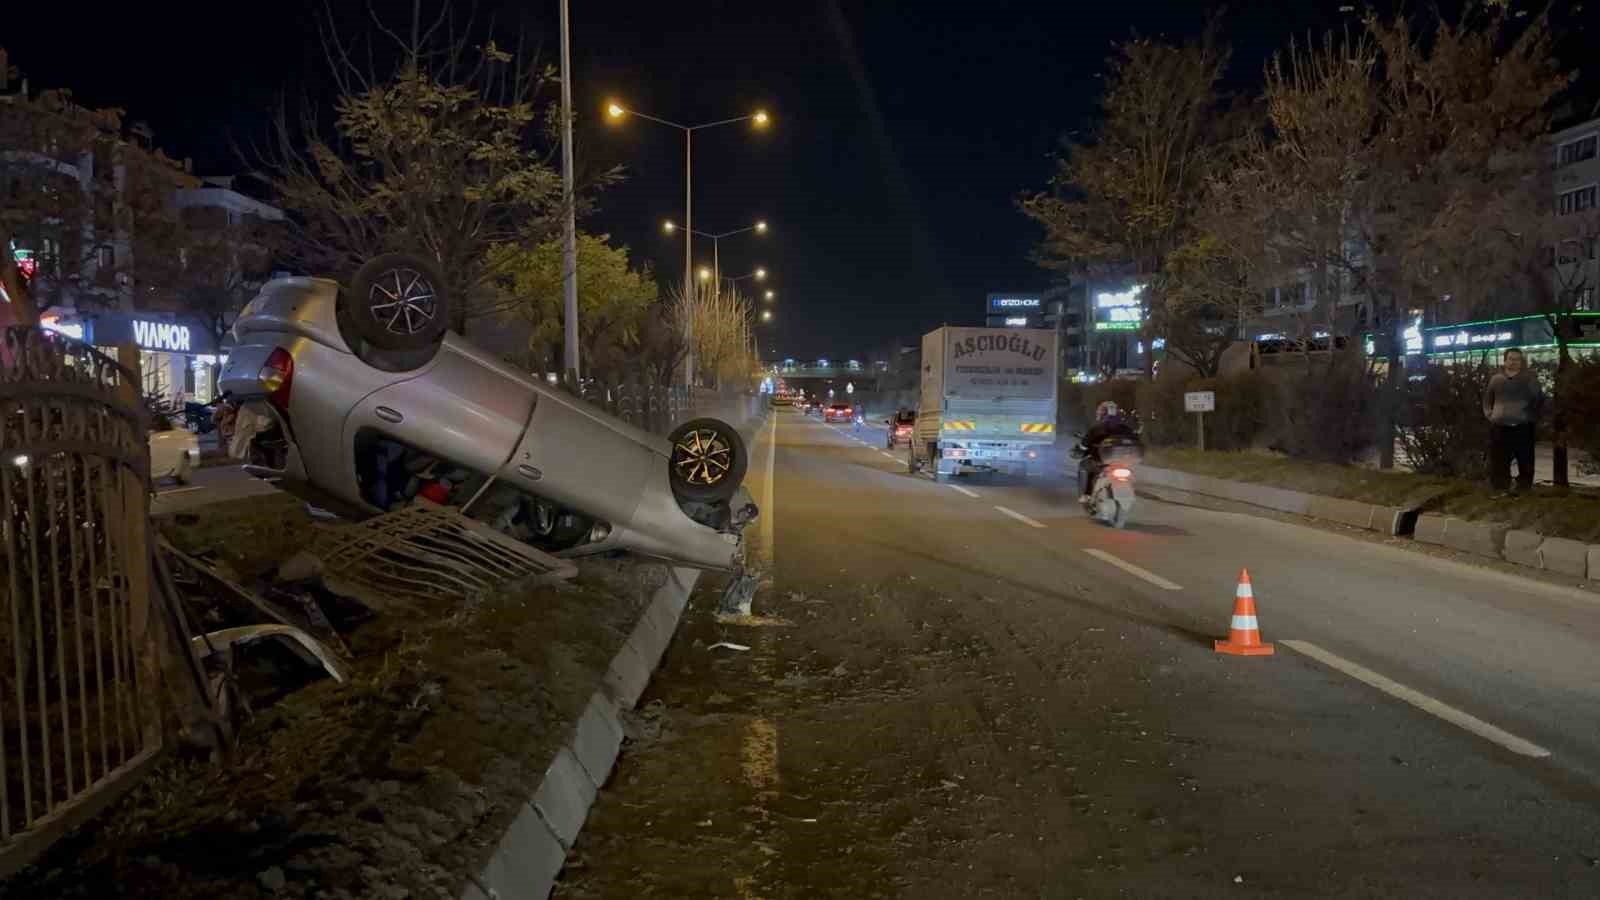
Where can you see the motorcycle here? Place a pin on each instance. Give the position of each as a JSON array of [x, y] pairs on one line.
[[1111, 499]]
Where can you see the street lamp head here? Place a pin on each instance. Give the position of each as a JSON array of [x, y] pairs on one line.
[[771, 294], [761, 227], [704, 273], [766, 315], [668, 227], [761, 118], [761, 274], [615, 111]]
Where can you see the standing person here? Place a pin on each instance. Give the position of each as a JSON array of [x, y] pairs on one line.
[[1512, 405]]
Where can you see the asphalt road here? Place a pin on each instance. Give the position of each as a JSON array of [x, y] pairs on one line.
[[965, 689]]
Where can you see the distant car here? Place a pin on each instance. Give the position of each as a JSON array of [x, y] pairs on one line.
[[174, 452], [839, 412], [900, 427], [372, 402]]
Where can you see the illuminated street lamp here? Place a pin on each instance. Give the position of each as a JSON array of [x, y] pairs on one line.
[[770, 295], [616, 112], [766, 315], [759, 227], [760, 274]]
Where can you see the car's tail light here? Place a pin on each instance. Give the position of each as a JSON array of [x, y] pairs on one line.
[[277, 376], [1033, 454], [1122, 473]]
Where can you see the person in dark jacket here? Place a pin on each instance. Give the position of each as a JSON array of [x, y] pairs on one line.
[[1512, 405], [1109, 423]]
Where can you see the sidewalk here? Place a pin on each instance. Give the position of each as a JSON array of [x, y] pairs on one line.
[[1543, 465]]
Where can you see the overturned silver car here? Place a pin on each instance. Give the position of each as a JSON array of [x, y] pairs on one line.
[[369, 401]]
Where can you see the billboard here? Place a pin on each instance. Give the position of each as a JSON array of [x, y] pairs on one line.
[[1119, 310], [1011, 303]]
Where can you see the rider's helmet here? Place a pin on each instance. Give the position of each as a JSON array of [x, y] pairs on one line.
[[1106, 411]]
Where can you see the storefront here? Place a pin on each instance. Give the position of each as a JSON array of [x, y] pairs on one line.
[[1485, 340], [179, 356]]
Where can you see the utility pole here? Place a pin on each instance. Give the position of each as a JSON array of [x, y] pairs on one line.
[[688, 254], [569, 212]]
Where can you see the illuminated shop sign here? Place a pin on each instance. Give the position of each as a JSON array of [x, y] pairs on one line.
[[1119, 310], [168, 336], [175, 335], [1008, 303]]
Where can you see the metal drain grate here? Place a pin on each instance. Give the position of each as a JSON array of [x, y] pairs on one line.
[[428, 552]]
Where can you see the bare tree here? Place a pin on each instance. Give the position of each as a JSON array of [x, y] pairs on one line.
[[1120, 202], [446, 154], [1463, 157], [722, 324], [222, 262]]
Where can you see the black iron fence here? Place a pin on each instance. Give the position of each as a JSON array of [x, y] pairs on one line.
[[79, 660]]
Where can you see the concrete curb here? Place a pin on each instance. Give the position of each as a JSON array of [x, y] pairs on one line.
[[1383, 519], [1494, 540], [531, 853]]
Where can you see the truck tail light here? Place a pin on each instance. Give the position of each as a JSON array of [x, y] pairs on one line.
[[1122, 473], [277, 376]]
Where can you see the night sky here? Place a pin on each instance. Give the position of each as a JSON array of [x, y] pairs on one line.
[[903, 130]]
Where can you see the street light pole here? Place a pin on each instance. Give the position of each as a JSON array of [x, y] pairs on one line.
[[569, 215], [760, 119], [688, 254]]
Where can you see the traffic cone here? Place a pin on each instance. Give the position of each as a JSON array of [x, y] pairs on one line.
[[1244, 637]]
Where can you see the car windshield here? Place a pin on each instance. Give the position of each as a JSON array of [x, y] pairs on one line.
[[905, 419], [842, 407]]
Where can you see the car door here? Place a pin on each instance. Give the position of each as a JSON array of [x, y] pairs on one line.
[[581, 458], [462, 407]]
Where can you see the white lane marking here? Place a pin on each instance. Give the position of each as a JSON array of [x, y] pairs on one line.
[[974, 495], [768, 551], [1133, 570], [1019, 516], [1421, 701], [887, 455]]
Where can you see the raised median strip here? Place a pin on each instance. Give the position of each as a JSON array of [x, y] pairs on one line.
[[531, 853], [1495, 540]]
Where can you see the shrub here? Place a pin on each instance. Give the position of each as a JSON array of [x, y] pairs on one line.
[[1442, 428], [1161, 414], [1583, 411], [1236, 424], [1327, 406]]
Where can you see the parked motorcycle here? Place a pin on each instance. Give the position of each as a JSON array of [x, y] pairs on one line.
[[1111, 499]]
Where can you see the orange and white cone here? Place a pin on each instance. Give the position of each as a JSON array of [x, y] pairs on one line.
[[1244, 637]]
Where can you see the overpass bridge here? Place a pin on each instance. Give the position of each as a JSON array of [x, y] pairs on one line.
[[819, 375]]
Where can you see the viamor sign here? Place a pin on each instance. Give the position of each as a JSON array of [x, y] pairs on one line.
[[166, 336]]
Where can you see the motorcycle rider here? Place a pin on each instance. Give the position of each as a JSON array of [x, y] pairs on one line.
[[1109, 423]]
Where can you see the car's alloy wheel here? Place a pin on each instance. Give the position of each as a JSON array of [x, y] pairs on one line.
[[397, 302], [702, 457], [402, 302], [708, 460]]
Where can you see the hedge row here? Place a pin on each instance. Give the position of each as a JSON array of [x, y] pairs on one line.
[[1327, 408]]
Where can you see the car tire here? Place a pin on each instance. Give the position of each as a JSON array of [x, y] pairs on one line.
[[708, 461], [397, 301]]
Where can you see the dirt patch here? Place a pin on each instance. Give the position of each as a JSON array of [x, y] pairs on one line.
[[1571, 513], [396, 784]]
